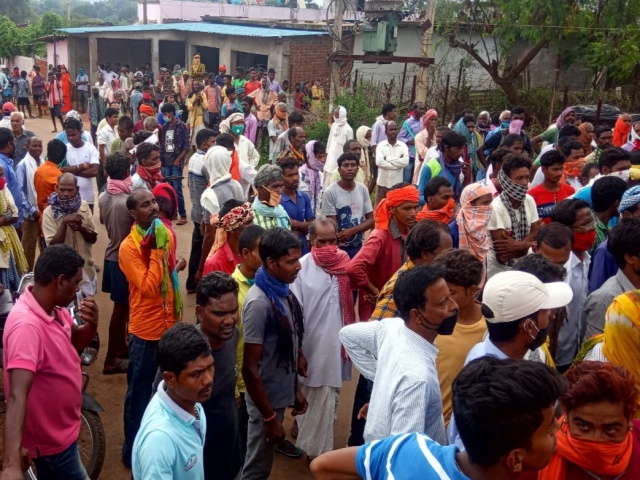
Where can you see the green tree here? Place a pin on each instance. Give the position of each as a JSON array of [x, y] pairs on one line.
[[603, 33], [11, 38], [17, 10]]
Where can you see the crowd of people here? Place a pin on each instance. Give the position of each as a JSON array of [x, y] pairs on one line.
[[472, 275]]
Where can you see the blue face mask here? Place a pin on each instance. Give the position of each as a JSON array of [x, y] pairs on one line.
[[166, 119], [506, 123]]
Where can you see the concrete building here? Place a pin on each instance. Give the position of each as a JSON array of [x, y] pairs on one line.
[[171, 44]]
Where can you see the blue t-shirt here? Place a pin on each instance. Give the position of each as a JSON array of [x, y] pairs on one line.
[[410, 456], [585, 194], [301, 211]]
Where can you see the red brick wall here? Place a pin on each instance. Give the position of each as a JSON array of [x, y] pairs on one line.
[[308, 57]]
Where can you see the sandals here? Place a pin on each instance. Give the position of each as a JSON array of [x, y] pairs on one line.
[[289, 449], [120, 367]]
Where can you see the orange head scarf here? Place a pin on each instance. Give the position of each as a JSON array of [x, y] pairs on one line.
[[444, 215], [610, 459], [431, 113], [621, 132], [394, 198]]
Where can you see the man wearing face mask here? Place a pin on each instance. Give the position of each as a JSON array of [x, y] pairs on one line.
[[269, 183], [576, 215], [516, 306], [234, 125], [174, 145], [406, 393], [614, 162], [495, 138]]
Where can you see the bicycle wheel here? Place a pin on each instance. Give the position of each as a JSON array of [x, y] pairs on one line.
[[92, 443]]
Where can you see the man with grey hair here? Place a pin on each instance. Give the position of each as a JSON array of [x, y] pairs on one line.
[[25, 171], [268, 213], [20, 136], [324, 292], [151, 124], [276, 126]]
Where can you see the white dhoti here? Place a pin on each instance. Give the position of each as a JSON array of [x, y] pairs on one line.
[[315, 428]]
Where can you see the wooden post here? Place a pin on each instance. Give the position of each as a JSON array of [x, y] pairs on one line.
[[565, 97], [446, 97], [404, 78], [355, 82], [413, 89], [337, 46], [459, 80], [598, 110], [426, 47], [292, 85]]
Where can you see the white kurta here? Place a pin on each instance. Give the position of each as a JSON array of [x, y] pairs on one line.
[[338, 136], [319, 297]]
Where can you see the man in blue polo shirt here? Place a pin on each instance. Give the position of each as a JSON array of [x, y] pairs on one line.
[[497, 447], [297, 204], [169, 444]]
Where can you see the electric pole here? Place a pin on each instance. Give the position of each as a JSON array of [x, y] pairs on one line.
[[426, 50], [68, 10], [337, 46]]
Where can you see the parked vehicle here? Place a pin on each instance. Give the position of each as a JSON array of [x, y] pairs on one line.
[[92, 439]]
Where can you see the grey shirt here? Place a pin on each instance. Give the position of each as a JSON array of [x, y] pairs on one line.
[[260, 327], [597, 304], [117, 221], [222, 447], [350, 208]]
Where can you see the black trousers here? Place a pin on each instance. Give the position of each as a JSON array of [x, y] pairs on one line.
[[194, 257]]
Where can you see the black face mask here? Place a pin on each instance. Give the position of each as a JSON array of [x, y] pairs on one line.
[[539, 339], [445, 328]]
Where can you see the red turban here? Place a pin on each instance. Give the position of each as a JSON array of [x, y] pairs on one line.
[[394, 198]]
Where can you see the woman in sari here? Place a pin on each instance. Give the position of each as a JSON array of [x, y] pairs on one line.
[[598, 437], [65, 80], [13, 263]]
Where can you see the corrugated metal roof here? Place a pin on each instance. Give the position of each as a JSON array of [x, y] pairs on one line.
[[200, 27]]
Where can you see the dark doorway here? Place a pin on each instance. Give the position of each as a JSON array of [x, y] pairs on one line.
[[247, 60], [209, 56], [171, 53], [134, 53]]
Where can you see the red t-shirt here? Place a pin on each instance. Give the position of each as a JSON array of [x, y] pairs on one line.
[[222, 260], [546, 200], [251, 87]]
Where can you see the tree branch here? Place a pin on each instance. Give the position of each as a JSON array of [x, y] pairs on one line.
[[455, 43], [526, 60]]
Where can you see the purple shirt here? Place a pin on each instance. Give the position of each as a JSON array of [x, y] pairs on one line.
[[406, 136], [378, 133], [251, 127]]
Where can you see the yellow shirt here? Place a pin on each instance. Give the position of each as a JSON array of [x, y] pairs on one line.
[[452, 352], [243, 289]]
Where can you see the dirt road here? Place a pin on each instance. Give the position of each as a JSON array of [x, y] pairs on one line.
[[110, 390]]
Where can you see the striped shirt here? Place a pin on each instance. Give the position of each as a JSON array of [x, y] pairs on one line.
[[406, 392], [408, 457]]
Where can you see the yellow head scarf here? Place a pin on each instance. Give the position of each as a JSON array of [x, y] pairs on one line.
[[621, 337]]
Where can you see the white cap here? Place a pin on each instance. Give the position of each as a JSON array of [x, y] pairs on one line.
[[514, 295]]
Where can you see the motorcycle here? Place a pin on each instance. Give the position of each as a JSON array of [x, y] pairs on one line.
[[92, 439]]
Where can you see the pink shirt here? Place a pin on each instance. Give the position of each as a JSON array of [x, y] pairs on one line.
[[37, 342]]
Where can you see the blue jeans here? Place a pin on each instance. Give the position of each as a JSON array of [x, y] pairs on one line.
[[407, 172], [65, 465], [174, 171], [140, 377]]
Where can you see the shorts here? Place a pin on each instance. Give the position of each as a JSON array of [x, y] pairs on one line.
[[56, 111], [36, 98], [114, 282], [24, 101]]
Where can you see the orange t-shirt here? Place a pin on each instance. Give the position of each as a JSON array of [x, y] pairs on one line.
[[151, 315], [45, 181]]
